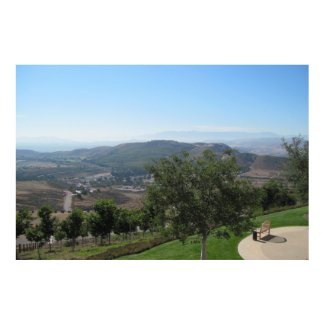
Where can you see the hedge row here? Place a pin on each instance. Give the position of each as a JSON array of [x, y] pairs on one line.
[[280, 209], [132, 248]]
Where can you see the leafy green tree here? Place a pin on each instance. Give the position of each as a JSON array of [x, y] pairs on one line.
[[84, 228], [197, 195], [47, 222], [34, 234], [101, 222], [121, 225], [72, 225], [298, 165], [274, 194], [146, 218], [23, 221], [106, 210], [125, 222], [95, 225], [59, 234]]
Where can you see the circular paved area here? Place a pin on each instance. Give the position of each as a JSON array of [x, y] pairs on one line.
[[285, 243]]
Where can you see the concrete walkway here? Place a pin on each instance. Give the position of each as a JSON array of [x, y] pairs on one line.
[[285, 243]]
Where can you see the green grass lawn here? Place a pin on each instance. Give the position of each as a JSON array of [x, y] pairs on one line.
[[218, 249]]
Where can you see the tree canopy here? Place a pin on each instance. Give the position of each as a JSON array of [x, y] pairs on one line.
[[196, 195], [274, 194], [47, 224], [298, 165], [125, 221], [23, 221], [102, 223], [72, 225]]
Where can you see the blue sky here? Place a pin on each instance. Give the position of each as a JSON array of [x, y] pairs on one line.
[[89, 103]]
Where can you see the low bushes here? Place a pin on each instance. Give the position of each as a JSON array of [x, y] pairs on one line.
[[278, 209], [132, 248]]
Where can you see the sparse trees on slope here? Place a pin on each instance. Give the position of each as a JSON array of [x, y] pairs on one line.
[[196, 195], [59, 234], [94, 224], [42, 232], [47, 223], [125, 222], [101, 223], [145, 219], [84, 227], [34, 234], [23, 221], [297, 167], [72, 225]]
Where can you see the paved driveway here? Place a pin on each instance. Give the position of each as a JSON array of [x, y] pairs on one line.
[[285, 243]]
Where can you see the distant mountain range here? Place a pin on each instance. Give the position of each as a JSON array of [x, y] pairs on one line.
[[200, 136], [52, 144], [266, 143], [136, 155]]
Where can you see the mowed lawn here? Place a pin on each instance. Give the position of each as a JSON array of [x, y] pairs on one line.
[[217, 248]]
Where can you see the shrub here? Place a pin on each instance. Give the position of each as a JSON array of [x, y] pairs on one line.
[[132, 248]]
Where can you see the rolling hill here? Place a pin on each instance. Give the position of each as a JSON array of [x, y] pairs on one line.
[[136, 155]]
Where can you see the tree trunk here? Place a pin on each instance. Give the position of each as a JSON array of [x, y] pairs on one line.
[[39, 255], [109, 238], [204, 247]]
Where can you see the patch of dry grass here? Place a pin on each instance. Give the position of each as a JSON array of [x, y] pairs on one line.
[[34, 194]]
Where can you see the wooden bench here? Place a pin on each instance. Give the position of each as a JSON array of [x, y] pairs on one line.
[[265, 227]]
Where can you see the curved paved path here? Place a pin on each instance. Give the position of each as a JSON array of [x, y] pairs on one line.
[[285, 243]]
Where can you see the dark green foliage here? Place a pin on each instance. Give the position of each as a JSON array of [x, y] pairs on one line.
[[221, 232], [84, 230], [146, 218], [94, 224], [137, 154], [47, 224], [125, 221], [298, 166], [102, 222], [23, 221], [34, 234], [59, 233], [195, 195], [274, 194], [72, 225]]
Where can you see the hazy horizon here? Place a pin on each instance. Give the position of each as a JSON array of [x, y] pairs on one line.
[[261, 143]]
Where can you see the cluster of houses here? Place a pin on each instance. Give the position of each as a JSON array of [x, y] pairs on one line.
[[83, 185], [131, 188], [82, 189]]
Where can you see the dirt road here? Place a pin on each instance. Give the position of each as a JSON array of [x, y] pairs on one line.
[[67, 201]]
